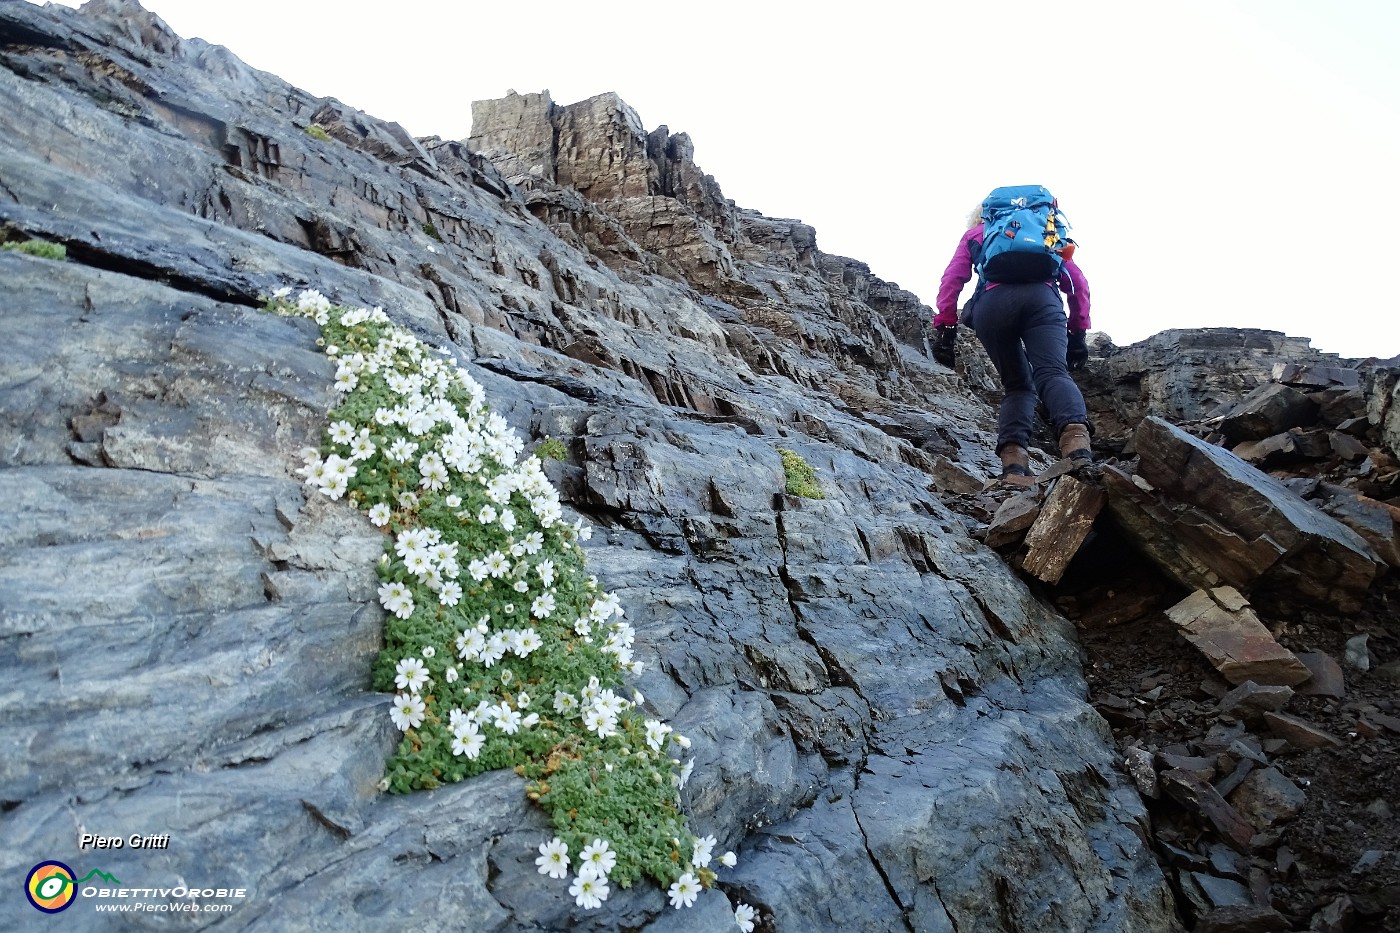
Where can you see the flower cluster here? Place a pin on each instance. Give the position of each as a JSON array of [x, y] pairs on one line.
[[590, 885], [500, 650]]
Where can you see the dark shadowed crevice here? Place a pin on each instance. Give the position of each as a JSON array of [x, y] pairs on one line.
[[85, 254]]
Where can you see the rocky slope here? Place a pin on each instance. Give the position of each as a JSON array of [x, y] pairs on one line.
[[890, 729]]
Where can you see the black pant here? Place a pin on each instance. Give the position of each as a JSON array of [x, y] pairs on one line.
[[1023, 329]]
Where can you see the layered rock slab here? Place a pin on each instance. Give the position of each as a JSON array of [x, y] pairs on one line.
[[1208, 518]]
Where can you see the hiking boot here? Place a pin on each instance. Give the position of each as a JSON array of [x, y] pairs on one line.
[[1016, 465], [1074, 443]]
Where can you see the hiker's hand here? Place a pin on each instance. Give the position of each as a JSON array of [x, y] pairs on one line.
[[1077, 353], [944, 346]]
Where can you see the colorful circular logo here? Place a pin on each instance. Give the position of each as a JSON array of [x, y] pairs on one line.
[[50, 887]]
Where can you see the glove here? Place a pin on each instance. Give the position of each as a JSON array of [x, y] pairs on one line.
[[1076, 353], [943, 347]]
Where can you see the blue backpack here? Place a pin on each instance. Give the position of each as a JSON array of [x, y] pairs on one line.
[[1025, 237]]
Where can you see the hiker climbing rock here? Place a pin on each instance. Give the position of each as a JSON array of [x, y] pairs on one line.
[[1017, 243]]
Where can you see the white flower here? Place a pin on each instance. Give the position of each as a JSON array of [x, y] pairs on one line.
[[700, 855], [685, 773], [507, 720], [335, 486], [428, 651], [315, 472], [470, 644], [408, 711], [565, 703], [362, 448], [744, 917], [311, 302], [729, 860], [401, 450], [495, 649], [410, 674], [434, 473], [408, 500], [528, 642], [507, 520], [409, 541], [396, 598], [453, 502], [589, 891], [533, 542], [341, 432], [497, 564], [542, 606], [546, 572], [468, 743], [336, 465], [600, 721], [599, 857], [450, 594], [487, 515], [656, 734], [452, 674], [379, 514], [418, 563], [546, 510], [522, 701], [500, 488], [685, 891], [611, 702], [520, 586], [554, 858]]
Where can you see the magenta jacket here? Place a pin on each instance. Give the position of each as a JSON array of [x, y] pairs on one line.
[[959, 273]]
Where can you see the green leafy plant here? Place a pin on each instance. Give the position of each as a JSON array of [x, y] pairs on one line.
[[432, 231], [801, 476], [40, 248], [551, 448], [317, 131], [501, 651]]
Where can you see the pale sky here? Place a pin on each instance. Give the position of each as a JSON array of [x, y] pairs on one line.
[[1224, 163]]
